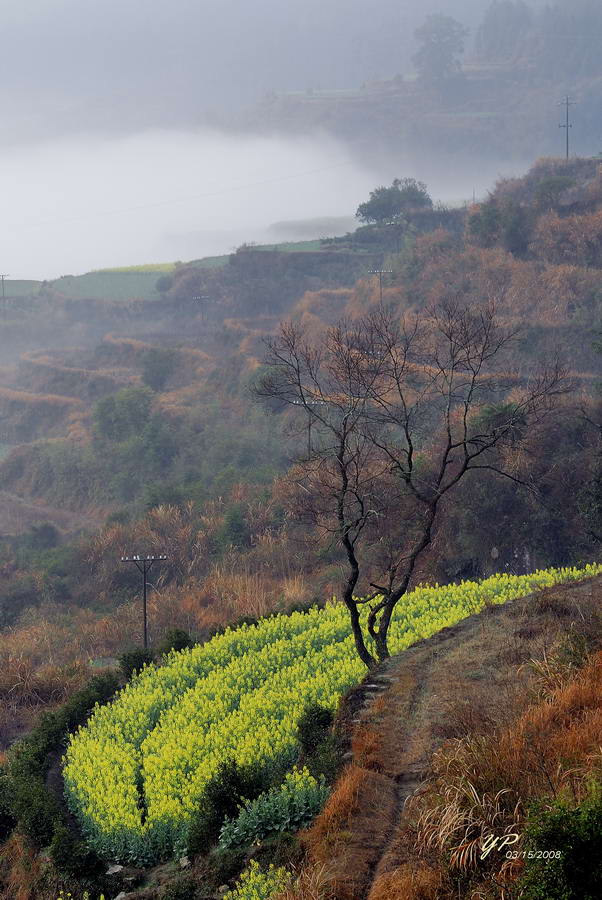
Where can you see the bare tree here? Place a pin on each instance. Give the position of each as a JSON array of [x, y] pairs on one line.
[[400, 412]]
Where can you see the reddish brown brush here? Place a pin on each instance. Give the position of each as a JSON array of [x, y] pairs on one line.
[[410, 882], [481, 785], [22, 871], [349, 835], [311, 883]]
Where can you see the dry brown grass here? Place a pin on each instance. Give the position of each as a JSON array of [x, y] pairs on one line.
[[411, 882], [312, 883], [22, 683], [22, 872], [347, 837], [27, 399], [482, 785], [366, 745]]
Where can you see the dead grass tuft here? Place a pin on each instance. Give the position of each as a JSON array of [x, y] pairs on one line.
[[21, 871], [366, 744], [481, 785], [312, 883], [410, 882]]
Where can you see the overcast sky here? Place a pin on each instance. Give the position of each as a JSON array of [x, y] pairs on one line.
[[106, 157]]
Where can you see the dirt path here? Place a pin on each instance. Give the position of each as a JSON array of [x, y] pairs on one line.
[[445, 686]]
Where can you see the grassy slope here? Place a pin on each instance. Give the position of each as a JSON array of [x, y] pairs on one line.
[[139, 281], [22, 288]]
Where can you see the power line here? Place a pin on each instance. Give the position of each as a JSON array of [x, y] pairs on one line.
[[144, 564]]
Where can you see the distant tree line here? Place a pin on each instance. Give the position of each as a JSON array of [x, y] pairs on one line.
[[561, 39]]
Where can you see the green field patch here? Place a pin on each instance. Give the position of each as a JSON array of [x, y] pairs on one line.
[[22, 288], [108, 285]]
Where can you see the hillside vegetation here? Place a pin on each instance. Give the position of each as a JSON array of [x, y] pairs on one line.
[[134, 425]]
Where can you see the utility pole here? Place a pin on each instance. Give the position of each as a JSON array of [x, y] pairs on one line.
[[567, 102], [202, 299], [3, 294], [380, 273], [310, 420], [144, 564], [398, 230]]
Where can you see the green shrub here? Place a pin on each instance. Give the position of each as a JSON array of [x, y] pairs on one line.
[[549, 190], [225, 865], [175, 639], [183, 888], [7, 819], [577, 834], [223, 795], [235, 530], [71, 855], [313, 727], [325, 760], [284, 809], [157, 366], [281, 849], [79, 707], [134, 661], [164, 283], [124, 414], [30, 804], [36, 809], [484, 224]]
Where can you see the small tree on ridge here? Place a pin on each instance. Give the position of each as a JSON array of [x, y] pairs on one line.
[[401, 412]]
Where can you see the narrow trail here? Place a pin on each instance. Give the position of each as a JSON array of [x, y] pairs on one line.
[[404, 720], [436, 690]]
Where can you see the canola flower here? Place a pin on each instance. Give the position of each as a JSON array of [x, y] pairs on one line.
[[254, 884], [136, 772], [69, 896]]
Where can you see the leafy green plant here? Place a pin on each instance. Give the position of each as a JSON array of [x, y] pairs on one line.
[[325, 760], [36, 810], [29, 803], [255, 884], [225, 865], [286, 808], [224, 793], [70, 854], [7, 820], [133, 661], [183, 888], [576, 834], [175, 639], [549, 190], [314, 726]]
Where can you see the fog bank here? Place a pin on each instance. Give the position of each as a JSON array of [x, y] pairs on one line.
[[83, 203]]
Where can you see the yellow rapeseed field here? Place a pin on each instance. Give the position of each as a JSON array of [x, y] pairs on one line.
[[136, 771]]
